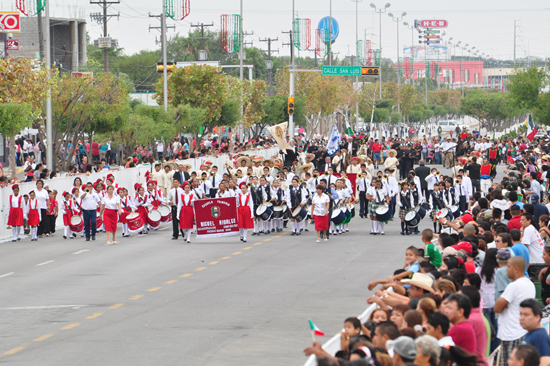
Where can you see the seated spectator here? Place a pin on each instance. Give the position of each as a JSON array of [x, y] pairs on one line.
[[476, 319]]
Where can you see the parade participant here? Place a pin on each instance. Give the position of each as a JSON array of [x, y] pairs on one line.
[[186, 215], [89, 204], [268, 176], [297, 199], [167, 180], [304, 169], [331, 179], [278, 197], [215, 181], [34, 215], [417, 198], [344, 197], [320, 212], [450, 195], [205, 184], [245, 211], [462, 196], [448, 150], [16, 213], [354, 167], [486, 178], [141, 201], [197, 189], [42, 197], [390, 183], [127, 208], [100, 191], [67, 211], [223, 191], [53, 211], [77, 201], [431, 180], [256, 193], [391, 162], [362, 184], [376, 149], [110, 209], [266, 197], [158, 175], [377, 196], [494, 157], [405, 204], [313, 181], [436, 200]]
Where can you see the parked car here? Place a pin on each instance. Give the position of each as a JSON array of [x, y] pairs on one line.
[[449, 125]]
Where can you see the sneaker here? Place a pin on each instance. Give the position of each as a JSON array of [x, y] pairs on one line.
[[307, 229], [93, 237], [293, 233], [64, 237], [87, 239]]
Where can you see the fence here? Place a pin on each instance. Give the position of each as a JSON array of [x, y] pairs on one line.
[[124, 178]]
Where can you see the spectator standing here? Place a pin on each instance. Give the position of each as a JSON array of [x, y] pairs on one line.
[[533, 241], [95, 152], [458, 310], [510, 331], [530, 313]]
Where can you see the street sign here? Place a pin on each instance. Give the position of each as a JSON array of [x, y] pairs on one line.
[[12, 45], [9, 20], [430, 36], [434, 23], [86, 75], [334, 30], [431, 31], [342, 70]]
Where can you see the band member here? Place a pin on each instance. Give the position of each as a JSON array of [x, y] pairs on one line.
[[127, 208], [431, 180], [77, 204], [436, 200], [462, 196], [297, 199], [344, 198], [16, 214], [450, 195], [377, 196], [174, 197], [89, 204], [67, 211], [416, 194], [278, 198], [245, 211], [362, 184], [405, 203], [141, 201], [110, 209], [308, 198], [486, 181], [186, 214], [266, 195], [33, 215], [215, 181], [256, 193]]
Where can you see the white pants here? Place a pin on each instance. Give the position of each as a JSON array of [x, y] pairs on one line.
[[485, 185]]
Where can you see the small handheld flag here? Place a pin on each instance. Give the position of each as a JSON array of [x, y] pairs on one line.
[[314, 330], [531, 129]]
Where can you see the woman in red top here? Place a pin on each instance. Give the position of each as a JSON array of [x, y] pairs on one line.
[[15, 215]]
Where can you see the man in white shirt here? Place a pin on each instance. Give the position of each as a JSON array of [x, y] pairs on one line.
[[174, 196], [510, 331], [160, 149], [462, 194], [362, 185], [447, 150], [89, 203], [533, 241]]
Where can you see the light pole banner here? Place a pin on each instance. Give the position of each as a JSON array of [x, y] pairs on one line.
[[216, 217]]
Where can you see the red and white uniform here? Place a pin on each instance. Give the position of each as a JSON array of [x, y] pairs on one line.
[[127, 208], [186, 214], [16, 214], [67, 210], [33, 213], [110, 213], [141, 203], [245, 211]]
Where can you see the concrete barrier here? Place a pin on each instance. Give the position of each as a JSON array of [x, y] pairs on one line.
[[124, 178], [333, 345]]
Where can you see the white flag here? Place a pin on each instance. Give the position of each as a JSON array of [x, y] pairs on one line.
[[279, 134], [333, 142]]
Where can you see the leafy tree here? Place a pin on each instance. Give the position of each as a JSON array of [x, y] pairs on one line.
[[528, 91], [493, 108], [13, 118]]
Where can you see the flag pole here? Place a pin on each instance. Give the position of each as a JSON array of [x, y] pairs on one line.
[[313, 336]]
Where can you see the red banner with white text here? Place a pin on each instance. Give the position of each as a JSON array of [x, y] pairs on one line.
[[352, 179], [216, 217]]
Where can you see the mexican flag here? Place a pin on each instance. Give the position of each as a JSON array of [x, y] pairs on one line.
[[315, 330], [349, 130], [531, 128]]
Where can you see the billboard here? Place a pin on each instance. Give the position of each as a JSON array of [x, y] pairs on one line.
[[9, 21], [419, 53]]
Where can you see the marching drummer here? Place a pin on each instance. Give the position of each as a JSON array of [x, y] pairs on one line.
[[266, 195], [436, 200], [449, 194], [344, 197], [127, 208], [141, 201], [67, 211], [308, 197], [405, 203], [377, 196], [278, 198], [362, 184], [257, 198], [77, 204], [245, 211], [186, 215], [297, 199], [416, 194]]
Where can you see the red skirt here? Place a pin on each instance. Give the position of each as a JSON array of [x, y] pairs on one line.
[[16, 217], [110, 219], [321, 222], [245, 221], [34, 217], [67, 218], [143, 212], [122, 217], [187, 217]]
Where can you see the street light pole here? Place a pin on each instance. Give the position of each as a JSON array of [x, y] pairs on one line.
[[380, 11], [291, 116], [49, 132], [411, 27], [462, 76], [397, 20], [357, 53]]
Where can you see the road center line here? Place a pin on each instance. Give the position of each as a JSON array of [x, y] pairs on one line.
[[14, 350], [237, 253], [45, 336], [7, 274], [200, 268], [212, 263], [223, 258], [70, 326], [93, 316], [186, 275], [154, 289], [246, 248], [82, 251], [116, 306], [135, 297], [170, 282], [44, 263]]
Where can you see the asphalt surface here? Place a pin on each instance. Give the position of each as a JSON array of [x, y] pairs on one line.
[[212, 302]]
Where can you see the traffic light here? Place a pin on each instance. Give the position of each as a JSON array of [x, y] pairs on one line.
[[290, 105], [370, 70], [169, 67]]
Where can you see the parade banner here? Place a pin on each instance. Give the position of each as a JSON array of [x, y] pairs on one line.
[[279, 134], [352, 179], [216, 217]]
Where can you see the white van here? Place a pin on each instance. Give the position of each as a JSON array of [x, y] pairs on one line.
[[448, 126]]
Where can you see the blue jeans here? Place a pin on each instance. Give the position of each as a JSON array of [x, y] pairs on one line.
[[490, 315], [438, 157], [90, 219]]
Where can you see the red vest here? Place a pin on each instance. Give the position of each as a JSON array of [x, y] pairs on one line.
[[486, 169], [492, 154]]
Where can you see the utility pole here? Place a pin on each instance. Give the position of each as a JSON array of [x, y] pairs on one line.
[[40, 36], [397, 19], [163, 28], [202, 37], [380, 11], [49, 132], [291, 92], [515, 26], [103, 19], [269, 63]]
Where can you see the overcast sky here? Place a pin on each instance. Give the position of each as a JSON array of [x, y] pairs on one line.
[[487, 25]]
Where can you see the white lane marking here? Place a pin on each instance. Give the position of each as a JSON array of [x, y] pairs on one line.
[[44, 263], [7, 274], [82, 251], [45, 307]]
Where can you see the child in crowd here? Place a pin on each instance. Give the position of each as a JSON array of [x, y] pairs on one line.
[[431, 254], [352, 327], [67, 211], [33, 215], [411, 266]]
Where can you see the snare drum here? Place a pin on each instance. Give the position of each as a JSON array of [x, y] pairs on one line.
[[153, 218], [338, 217], [383, 214], [455, 210], [264, 212], [134, 223], [277, 212], [165, 214], [286, 212], [299, 214], [77, 224], [422, 211], [412, 219]]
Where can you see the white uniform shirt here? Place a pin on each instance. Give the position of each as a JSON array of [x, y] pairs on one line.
[[43, 198], [172, 194], [90, 201], [111, 203], [380, 197]]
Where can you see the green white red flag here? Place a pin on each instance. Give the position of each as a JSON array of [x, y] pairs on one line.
[[315, 330], [531, 128]]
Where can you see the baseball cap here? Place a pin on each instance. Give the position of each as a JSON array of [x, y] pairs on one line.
[[503, 255], [534, 198], [404, 346]]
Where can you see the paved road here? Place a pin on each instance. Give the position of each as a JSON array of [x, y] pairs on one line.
[[212, 302]]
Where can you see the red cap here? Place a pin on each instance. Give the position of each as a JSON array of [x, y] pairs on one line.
[[74, 190], [118, 190], [135, 160], [30, 175], [65, 193], [137, 186], [464, 246], [186, 184], [242, 184], [14, 186]]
